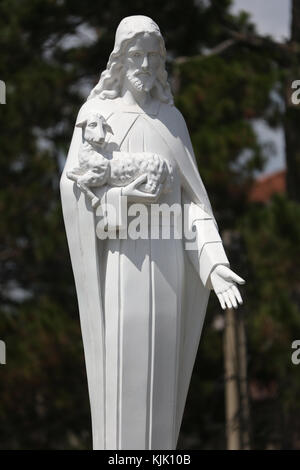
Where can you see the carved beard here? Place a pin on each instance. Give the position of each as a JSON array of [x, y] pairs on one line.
[[138, 83]]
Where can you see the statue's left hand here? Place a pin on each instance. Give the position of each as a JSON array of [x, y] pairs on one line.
[[223, 281]]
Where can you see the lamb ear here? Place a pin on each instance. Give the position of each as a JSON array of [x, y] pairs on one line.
[[108, 128], [81, 123]]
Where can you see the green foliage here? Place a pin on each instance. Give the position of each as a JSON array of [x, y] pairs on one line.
[[220, 96], [44, 400], [272, 240]]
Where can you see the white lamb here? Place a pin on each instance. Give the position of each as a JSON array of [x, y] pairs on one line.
[[98, 167]]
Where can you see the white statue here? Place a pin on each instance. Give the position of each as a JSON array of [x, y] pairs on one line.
[[142, 301], [97, 166]]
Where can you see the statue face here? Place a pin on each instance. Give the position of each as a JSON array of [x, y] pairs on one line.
[[141, 62]]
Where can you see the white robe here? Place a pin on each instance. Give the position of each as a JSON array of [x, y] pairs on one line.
[[142, 302]]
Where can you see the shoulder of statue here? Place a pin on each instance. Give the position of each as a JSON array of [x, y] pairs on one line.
[[171, 111], [172, 118], [105, 107]]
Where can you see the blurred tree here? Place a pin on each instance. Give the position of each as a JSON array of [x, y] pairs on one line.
[[222, 92], [243, 78], [292, 114], [272, 239], [52, 53]]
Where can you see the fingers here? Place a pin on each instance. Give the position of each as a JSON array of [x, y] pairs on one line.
[[227, 299], [232, 298], [148, 197], [221, 300], [228, 274], [237, 294], [141, 179], [237, 278], [131, 190]]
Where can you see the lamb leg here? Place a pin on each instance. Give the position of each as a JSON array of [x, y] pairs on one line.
[[94, 199]]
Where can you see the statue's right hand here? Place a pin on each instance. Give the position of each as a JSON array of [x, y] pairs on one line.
[[134, 194]]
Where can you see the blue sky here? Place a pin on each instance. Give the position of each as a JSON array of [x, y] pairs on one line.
[[271, 17]]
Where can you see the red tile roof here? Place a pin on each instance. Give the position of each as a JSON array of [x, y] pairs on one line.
[[263, 188]]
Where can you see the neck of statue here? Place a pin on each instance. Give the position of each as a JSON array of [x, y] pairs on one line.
[[132, 96]]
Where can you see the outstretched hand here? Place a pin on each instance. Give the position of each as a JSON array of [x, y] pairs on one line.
[[223, 281], [134, 194]]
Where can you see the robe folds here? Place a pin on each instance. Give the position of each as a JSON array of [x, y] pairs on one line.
[[142, 302]]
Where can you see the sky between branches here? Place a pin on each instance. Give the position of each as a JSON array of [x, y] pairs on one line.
[[271, 17]]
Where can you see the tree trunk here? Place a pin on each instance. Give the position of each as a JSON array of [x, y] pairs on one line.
[[244, 400], [295, 30], [292, 115], [232, 399]]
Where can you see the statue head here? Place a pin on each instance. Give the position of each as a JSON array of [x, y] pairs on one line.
[[138, 57], [94, 129]]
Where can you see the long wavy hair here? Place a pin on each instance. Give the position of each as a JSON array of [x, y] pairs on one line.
[[111, 79]]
